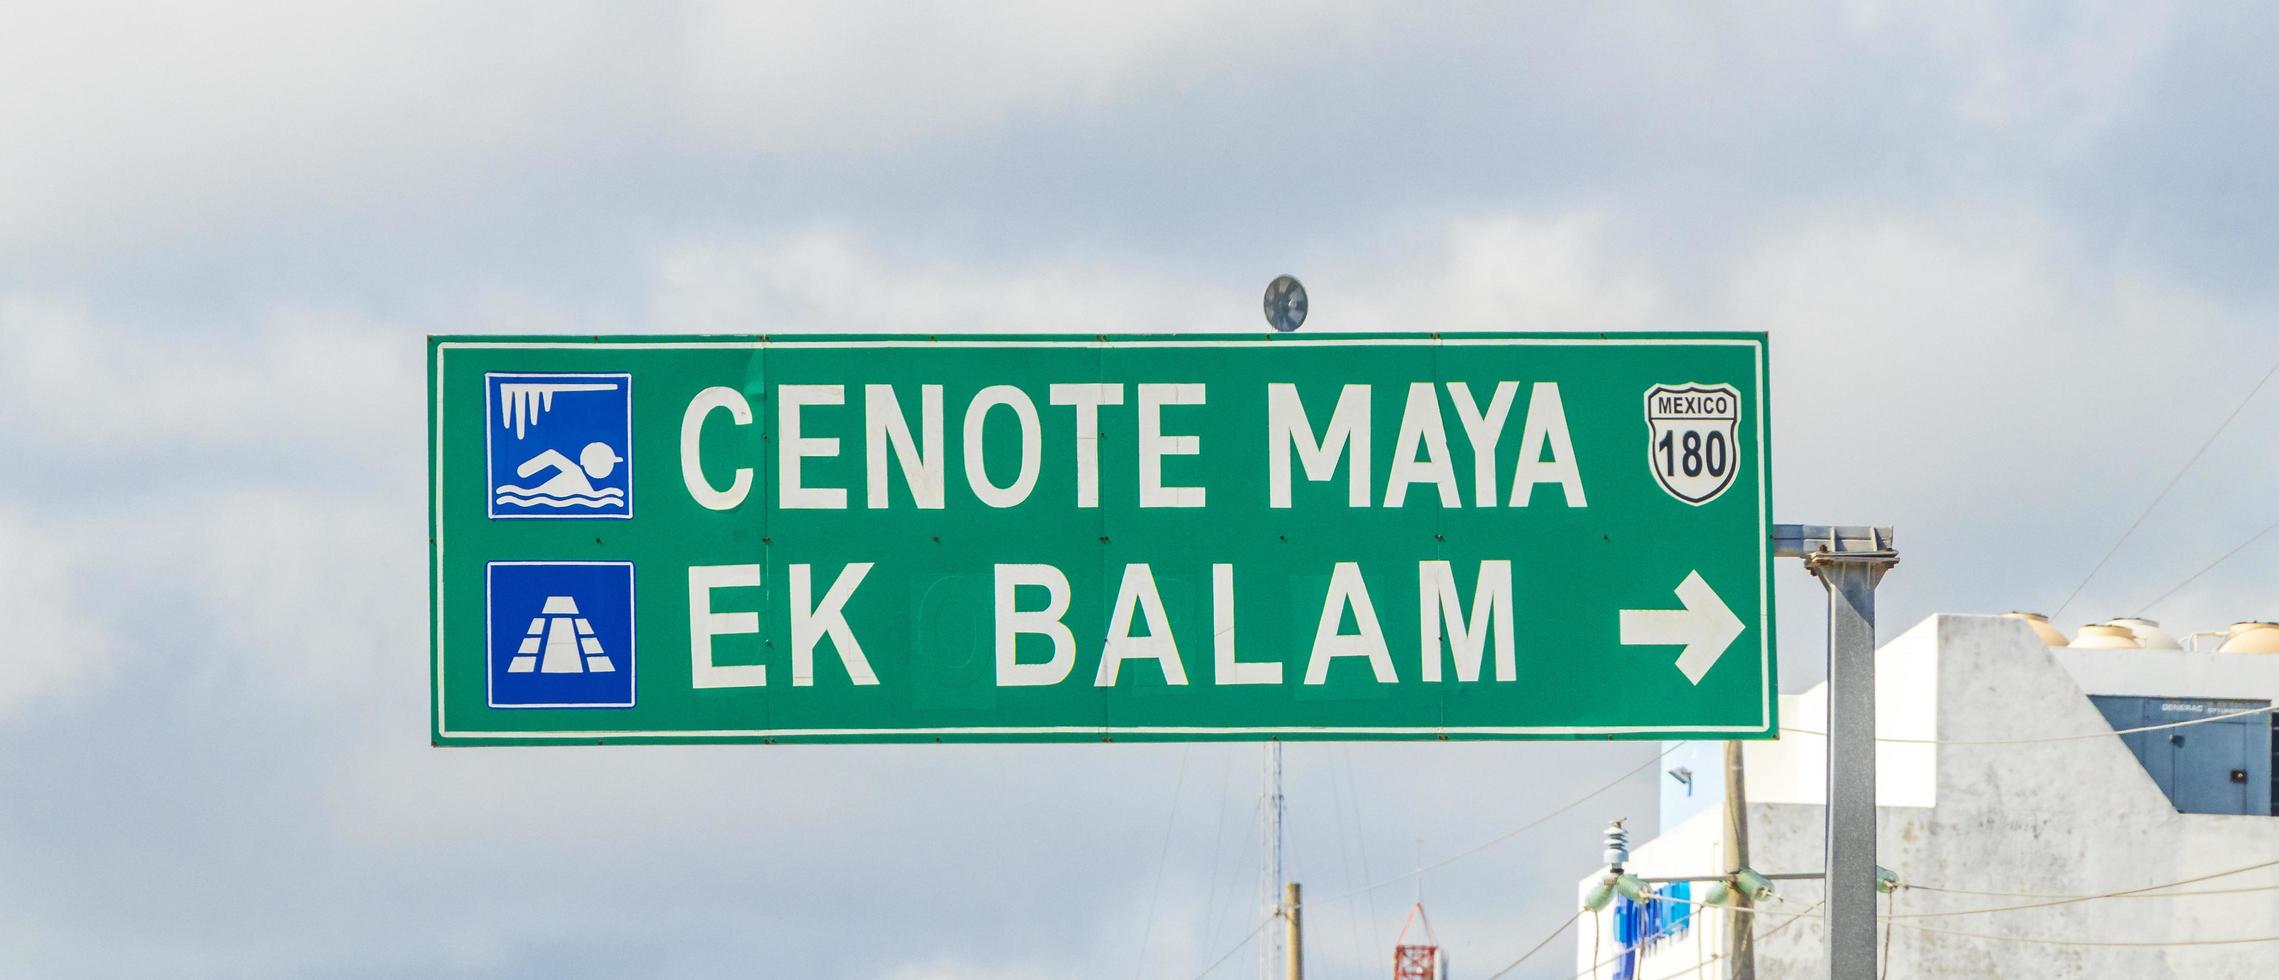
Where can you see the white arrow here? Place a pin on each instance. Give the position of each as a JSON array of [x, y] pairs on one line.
[[1705, 627]]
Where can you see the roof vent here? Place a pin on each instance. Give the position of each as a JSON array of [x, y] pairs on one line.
[[2148, 633], [2040, 625], [2105, 636], [2251, 637]]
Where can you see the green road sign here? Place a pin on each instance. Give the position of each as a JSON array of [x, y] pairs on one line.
[[1065, 538]]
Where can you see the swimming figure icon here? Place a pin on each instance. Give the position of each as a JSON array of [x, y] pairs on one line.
[[572, 483], [560, 445]]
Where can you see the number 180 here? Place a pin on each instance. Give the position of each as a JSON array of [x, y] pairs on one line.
[[1694, 453]]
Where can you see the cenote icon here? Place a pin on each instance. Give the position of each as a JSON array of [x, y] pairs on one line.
[[560, 445]]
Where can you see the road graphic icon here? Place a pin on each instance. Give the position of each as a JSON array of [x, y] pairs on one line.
[[560, 445], [561, 634], [1693, 439]]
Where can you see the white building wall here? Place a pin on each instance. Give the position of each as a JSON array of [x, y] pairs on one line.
[[1793, 769], [2067, 818], [2173, 673]]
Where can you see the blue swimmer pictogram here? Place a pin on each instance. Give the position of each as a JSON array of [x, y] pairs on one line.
[[560, 445]]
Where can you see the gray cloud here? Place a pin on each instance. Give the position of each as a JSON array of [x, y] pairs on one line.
[[2013, 262]]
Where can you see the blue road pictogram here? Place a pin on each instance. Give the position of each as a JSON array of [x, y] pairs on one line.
[[560, 445], [561, 634]]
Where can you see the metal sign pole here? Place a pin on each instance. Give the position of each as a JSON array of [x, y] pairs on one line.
[[1849, 561]]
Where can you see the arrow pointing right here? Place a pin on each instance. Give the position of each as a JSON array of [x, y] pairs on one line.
[[1705, 627]]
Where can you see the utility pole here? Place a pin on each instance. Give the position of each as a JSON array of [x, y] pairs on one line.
[[1294, 963], [1285, 308], [1740, 929], [1270, 951], [1849, 561]]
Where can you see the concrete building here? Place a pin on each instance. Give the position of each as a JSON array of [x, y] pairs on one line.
[[1981, 806]]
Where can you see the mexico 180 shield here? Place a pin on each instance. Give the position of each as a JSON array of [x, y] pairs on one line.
[[1692, 446]]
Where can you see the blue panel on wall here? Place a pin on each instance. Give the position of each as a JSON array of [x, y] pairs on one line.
[[2214, 767]]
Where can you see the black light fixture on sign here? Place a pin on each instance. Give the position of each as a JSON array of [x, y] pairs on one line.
[[1285, 304]]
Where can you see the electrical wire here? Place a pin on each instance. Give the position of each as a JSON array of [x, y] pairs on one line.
[[1803, 913], [1890, 918], [2122, 893], [2267, 709], [1239, 944], [1794, 919], [1252, 853], [1893, 918], [2209, 567], [1162, 859], [2048, 901], [1218, 841], [2104, 943], [1594, 945], [2163, 494], [2190, 894], [1699, 904], [1344, 863], [1538, 947], [1360, 840], [1509, 834], [1646, 941], [2070, 899]]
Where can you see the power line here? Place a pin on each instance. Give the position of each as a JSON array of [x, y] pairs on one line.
[[1252, 844], [1699, 904], [2163, 495], [2071, 899], [1893, 918], [2053, 738], [1218, 841], [1360, 840], [1794, 918], [1507, 835], [1345, 864], [2190, 894], [2121, 893], [2211, 566], [1162, 859], [1538, 947], [2108, 943], [1890, 918], [1645, 941], [1237, 947]]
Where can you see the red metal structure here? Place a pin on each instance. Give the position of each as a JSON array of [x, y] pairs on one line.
[[1416, 962]]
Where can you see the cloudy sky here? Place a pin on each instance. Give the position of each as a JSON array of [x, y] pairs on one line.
[[2016, 265]]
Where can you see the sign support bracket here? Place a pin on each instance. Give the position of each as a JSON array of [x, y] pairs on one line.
[[1849, 561]]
